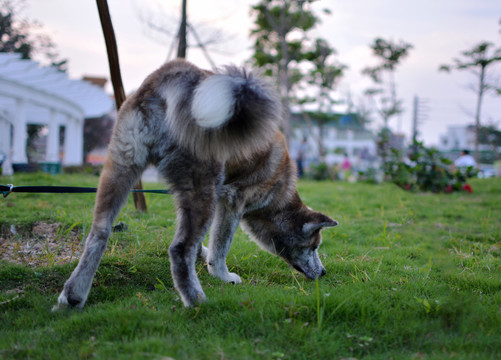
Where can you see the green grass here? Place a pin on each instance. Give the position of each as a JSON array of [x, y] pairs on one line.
[[409, 276]]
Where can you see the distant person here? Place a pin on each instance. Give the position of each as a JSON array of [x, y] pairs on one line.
[[364, 159], [346, 163], [345, 168], [301, 156], [464, 160]]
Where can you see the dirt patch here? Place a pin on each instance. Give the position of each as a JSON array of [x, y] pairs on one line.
[[44, 244]]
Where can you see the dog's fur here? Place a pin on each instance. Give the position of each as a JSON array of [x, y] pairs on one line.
[[214, 137]]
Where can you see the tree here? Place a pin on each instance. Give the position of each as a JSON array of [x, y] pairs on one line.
[[384, 93], [183, 35], [477, 60], [322, 79], [281, 41], [490, 135], [325, 74], [19, 35]]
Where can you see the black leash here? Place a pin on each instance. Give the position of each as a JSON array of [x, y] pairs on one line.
[[9, 188]]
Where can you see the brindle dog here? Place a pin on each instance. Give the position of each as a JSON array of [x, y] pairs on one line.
[[214, 137]]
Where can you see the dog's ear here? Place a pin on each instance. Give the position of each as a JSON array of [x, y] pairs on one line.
[[316, 222]]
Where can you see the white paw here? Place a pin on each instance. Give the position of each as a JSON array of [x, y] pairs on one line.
[[62, 302], [70, 299], [233, 278], [228, 277], [221, 272]]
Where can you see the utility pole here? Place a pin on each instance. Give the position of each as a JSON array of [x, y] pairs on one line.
[[418, 114], [414, 124]]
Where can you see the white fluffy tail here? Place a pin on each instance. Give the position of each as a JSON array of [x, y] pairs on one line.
[[225, 115], [213, 101]]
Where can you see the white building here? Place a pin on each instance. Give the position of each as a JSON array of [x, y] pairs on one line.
[[31, 94], [342, 135], [457, 138], [462, 137]]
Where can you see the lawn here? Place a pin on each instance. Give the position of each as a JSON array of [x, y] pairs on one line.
[[409, 276]]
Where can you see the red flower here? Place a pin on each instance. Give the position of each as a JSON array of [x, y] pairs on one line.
[[467, 187], [448, 189]]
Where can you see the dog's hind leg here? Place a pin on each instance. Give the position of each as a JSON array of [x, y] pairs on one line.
[[223, 228], [195, 186], [114, 186]]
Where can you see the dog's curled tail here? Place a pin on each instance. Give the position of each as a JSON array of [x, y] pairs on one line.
[[235, 115]]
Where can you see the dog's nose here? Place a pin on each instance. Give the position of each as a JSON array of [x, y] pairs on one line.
[[323, 272]]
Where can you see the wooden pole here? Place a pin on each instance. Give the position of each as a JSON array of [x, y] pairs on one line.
[[181, 48], [116, 79]]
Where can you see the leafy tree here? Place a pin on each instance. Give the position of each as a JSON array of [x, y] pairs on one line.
[[322, 78], [325, 74], [384, 93], [360, 105], [187, 35], [490, 135], [281, 42], [477, 60], [18, 35]]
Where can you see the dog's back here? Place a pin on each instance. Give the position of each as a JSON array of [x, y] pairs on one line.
[[227, 114]]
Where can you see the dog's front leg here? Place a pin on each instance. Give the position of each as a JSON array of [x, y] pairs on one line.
[[223, 228], [114, 185]]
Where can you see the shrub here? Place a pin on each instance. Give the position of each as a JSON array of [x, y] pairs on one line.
[[427, 170], [319, 171], [371, 176], [84, 169]]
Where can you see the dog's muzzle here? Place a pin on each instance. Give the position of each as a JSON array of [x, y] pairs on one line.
[[309, 274]]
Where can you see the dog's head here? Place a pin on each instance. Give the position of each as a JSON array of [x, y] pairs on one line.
[[294, 236], [299, 248]]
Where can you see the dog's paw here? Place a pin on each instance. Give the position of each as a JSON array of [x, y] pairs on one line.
[[221, 272], [68, 300], [230, 278], [64, 302], [233, 278], [193, 299], [61, 305]]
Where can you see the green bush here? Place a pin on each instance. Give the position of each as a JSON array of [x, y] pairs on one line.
[[369, 176], [88, 169], [319, 171], [426, 171]]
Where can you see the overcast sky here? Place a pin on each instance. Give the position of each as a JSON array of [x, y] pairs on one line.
[[438, 29]]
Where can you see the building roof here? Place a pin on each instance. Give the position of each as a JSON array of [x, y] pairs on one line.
[[50, 88], [96, 80], [350, 121]]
